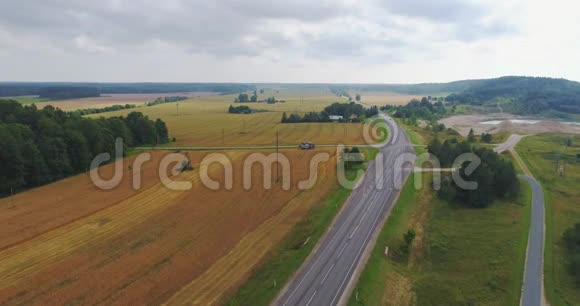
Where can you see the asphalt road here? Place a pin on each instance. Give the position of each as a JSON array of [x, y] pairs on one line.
[[325, 276], [532, 291], [509, 144]]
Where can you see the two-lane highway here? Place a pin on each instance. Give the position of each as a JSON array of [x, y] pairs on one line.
[[324, 277], [533, 289]]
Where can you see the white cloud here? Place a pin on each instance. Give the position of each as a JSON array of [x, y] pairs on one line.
[[293, 41]]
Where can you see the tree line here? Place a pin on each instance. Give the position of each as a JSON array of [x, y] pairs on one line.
[[162, 100], [42, 146], [243, 109], [422, 109], [89, 111], [245, 98], [496, 177], [350, 112], [12, 89]]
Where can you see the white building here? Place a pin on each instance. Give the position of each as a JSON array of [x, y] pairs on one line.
[[335, 118]]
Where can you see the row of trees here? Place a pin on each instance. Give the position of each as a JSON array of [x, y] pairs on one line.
[[243, 109], [42, 146], [88, 111], [495, 177], [572, 242], [162, 100], [350, 112]]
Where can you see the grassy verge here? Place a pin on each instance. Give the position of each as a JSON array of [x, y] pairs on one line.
[[286, 258], [561, 195], [460, 256], [475, 256], [373, 280]]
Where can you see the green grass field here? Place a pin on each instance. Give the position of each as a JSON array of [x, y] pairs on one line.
[[562, 196], [465, 256]]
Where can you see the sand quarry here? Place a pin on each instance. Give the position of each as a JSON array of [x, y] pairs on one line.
[[495, 123]]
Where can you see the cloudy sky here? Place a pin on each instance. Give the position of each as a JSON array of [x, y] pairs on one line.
[[354, 41]]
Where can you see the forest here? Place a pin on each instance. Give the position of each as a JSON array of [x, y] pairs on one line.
[[528, 95], [68, 92], [42, 146], [12, 89]]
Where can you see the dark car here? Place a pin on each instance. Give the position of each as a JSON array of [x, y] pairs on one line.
[[306, 146]]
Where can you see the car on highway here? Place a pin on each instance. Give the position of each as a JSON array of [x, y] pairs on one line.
[[307, 146]]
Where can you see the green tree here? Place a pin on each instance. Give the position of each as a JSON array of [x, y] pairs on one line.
[[78, 151], [12, 165], [487, 138], [254, 97], [471, 136], [162, 132]]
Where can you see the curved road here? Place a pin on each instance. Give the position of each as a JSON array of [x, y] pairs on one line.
[[533, 289], [327, 275]]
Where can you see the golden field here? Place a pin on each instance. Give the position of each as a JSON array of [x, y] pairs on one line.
[[205, 121], [70, 243]]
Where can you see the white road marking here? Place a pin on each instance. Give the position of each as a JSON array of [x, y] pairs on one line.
[[326, 275], [342, 251], [357, 255], [352, 216], [311, 298], [353, 232]]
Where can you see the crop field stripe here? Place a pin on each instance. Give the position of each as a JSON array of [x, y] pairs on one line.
[[18, 262], [222, 277]]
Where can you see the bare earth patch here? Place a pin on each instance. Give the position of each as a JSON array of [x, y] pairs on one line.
[[464, 123]]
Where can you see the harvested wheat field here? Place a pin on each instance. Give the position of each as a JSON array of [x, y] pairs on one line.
[[115, 99], [152, 246], [205, 121]]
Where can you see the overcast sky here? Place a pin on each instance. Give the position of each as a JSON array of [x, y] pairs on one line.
[[354, 41]]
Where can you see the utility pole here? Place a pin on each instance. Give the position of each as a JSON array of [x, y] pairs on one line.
[[177, 105], [277, 159], [12, 197], [223, 135]]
